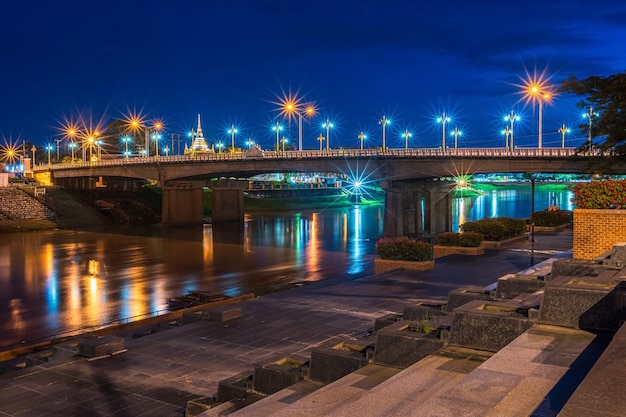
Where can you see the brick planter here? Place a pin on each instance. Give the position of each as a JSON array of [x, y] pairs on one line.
[[597, 231], [386, 265], [500, 243], [440, 250]]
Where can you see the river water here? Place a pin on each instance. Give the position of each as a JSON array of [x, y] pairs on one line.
[[55, 282]]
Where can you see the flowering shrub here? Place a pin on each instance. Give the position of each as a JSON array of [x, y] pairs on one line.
[[551, 218], [466, 240], [607, 194], [498, 228], [404, 249]]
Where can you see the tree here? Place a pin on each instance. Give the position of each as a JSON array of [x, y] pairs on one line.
[[607, 97]]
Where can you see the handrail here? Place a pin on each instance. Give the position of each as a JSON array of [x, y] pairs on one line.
[[328, 153]]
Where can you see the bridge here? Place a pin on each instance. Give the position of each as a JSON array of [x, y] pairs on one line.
[[415, 200]]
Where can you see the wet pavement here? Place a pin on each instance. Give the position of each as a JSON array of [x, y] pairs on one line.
[[160, 372]]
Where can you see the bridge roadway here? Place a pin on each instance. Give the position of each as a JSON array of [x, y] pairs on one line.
[[408, 177]]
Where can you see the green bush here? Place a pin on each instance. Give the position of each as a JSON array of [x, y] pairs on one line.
[[551, 218], [498, 228], [404, 249], [466, 240]]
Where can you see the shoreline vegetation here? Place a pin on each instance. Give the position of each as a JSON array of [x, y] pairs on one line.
[[87, 209]]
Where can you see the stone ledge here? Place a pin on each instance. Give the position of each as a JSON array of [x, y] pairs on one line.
[[500, 243], [386, 265], [441, 250]]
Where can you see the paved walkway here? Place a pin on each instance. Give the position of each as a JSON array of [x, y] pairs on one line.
[[160, 372]]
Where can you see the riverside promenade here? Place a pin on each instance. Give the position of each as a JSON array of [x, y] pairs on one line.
[[159, 373]]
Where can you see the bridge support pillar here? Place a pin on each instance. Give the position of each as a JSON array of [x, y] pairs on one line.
[[419, 209], [182, 205], [227, 201]]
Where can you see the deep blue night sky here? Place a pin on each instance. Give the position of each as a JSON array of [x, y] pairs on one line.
[[229, 60]]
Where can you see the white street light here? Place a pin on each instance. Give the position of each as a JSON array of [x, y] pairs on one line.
[[321, 139], [443, 119], [362, 136], [590, 115], [563, 130], [506, 132], [384, 121], [277, 128], [232, 132], [327, 125], [406, 135], [511, 118], [456, 133]]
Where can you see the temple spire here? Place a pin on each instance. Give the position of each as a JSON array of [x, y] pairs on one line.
[[199, 131]]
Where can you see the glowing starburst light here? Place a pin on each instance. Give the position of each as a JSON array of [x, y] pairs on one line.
[[289, 105], [536, 88], [9, 152]]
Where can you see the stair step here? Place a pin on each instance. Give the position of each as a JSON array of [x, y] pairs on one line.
[[279, 400]]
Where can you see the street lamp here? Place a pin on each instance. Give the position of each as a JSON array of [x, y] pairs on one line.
[[156, 137], [249, 142], [590, 115], [309, 110], [72, 145], [456, 133], [327, 125], [384, 121], [283, 140], [33, 149], [321, 139], [563, 130], [126, 139], [232, 132], [511, 118], [49, 148], [277, 128], [443, 119], [406, 135], [362, 136], [506, 132], [167, 150], [219, 146], [99, 143]]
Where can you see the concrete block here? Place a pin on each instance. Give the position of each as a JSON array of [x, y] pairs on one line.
[[398, 346], [279, 375], [328, 365], [463, 295], [101, 346], [225, 313]]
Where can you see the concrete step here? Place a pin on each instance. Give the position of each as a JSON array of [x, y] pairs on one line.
[[279, 400], [404, 393], [345, 390], [514, 382]]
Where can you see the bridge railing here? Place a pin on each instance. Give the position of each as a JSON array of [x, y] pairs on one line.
[[325, 153]]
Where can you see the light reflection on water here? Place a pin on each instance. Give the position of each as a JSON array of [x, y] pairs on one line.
[[56, 281]]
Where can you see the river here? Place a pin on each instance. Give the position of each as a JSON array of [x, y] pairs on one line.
[[60, 281]]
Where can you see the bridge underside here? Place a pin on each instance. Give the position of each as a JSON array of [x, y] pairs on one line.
[[417, 208]]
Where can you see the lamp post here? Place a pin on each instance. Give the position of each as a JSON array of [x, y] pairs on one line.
[[99, 143], [563, 130], [72, 145], [506, 132], [49, 149], [327, 125], [321, 138], [309, 110], [362, 136], [33, 150], [167, 150], [232, 132], [384, 121], [406, 135], [283, 140], [219, 146], [443, 119], [456, 133], [277, 128], [249, 142], [590, 115], [156, 137], [511, 118], [126, 139], [536, 92]]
